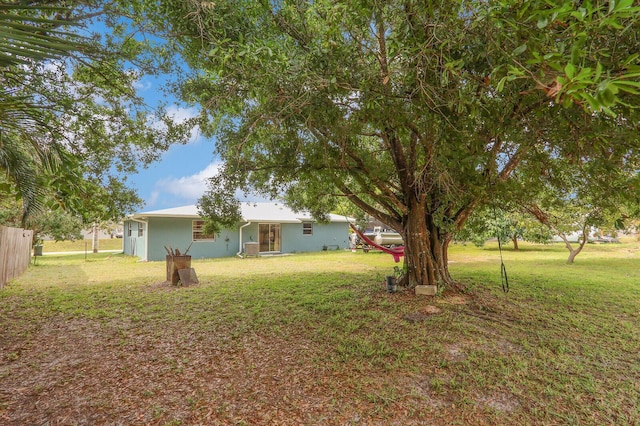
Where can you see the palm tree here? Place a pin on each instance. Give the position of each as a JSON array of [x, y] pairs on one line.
[[29, 34], [32, 33]]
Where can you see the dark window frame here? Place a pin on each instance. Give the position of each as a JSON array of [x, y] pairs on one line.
[[197, 232]]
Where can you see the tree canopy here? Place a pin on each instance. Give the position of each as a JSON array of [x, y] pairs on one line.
[[417, 112], [71, 124]]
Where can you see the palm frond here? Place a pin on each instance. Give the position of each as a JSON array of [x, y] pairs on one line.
[[30, 34], [33, 33], [21, 166]]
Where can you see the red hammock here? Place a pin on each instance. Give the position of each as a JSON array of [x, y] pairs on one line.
[[397, 252]]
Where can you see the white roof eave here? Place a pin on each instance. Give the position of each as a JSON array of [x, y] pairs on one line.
[[273, 213]]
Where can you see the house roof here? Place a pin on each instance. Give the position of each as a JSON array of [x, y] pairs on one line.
[[251, 212]]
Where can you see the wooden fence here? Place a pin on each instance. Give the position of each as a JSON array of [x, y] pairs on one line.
[[15, 252]]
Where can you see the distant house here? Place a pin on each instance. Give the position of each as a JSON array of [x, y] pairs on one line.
[[266, 228]]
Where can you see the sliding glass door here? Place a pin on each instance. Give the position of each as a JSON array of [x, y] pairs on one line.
[[269, 236]]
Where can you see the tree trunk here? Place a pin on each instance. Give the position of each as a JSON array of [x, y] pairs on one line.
[[544, 219], [515, 242], [426, 251], [573, 252], [95, 236]]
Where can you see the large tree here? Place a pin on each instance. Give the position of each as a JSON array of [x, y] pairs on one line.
[[417, 112]]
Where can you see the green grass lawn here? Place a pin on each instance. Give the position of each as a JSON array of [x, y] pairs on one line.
[[316, 339], [81, 245]]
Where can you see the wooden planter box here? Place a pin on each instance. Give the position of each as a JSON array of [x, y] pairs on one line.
[[174, 264]]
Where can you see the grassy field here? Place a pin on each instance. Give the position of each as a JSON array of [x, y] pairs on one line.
[[315, 339], [81, 245]]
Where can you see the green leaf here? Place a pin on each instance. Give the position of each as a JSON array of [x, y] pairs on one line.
[[613, 23], [584, 74], [627, 83], [599, 70], [500, 85], [606, 95], [570, 71], [593, 103], [520, 49], [633, 59], [622, 4], [627, 86], [609, 112], [543, 22], [578, 15], [576, 54]]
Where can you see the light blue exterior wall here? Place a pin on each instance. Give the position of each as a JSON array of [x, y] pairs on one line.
[[132, 244], [177, 233], [292, 239]]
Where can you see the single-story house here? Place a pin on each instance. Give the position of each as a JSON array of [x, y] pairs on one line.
[[267, 228]]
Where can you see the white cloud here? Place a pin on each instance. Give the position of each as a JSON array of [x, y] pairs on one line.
[[188, 188], [139, 83], [181, 114], [153, 198], [142, 85]]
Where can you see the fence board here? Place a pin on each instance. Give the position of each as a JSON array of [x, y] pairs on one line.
[[15, 252]]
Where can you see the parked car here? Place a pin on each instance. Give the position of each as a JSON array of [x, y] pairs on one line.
[[606, 239], [117, 234]]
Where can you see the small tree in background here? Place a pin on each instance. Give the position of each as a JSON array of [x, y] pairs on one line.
[[573, 193], [493, 223], [577, 216]]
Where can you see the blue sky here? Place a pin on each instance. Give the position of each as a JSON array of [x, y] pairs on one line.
[[179, 177]]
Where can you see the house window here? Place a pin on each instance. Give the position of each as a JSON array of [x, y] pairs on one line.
[[129, 229], [198, 232], [307, 228], [140, 229]]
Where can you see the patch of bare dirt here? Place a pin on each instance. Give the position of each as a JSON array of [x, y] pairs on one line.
[[455, 352], [422, 314], [456, 299], [119, 372], [125, 372], [501, 402], [83, 372]]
